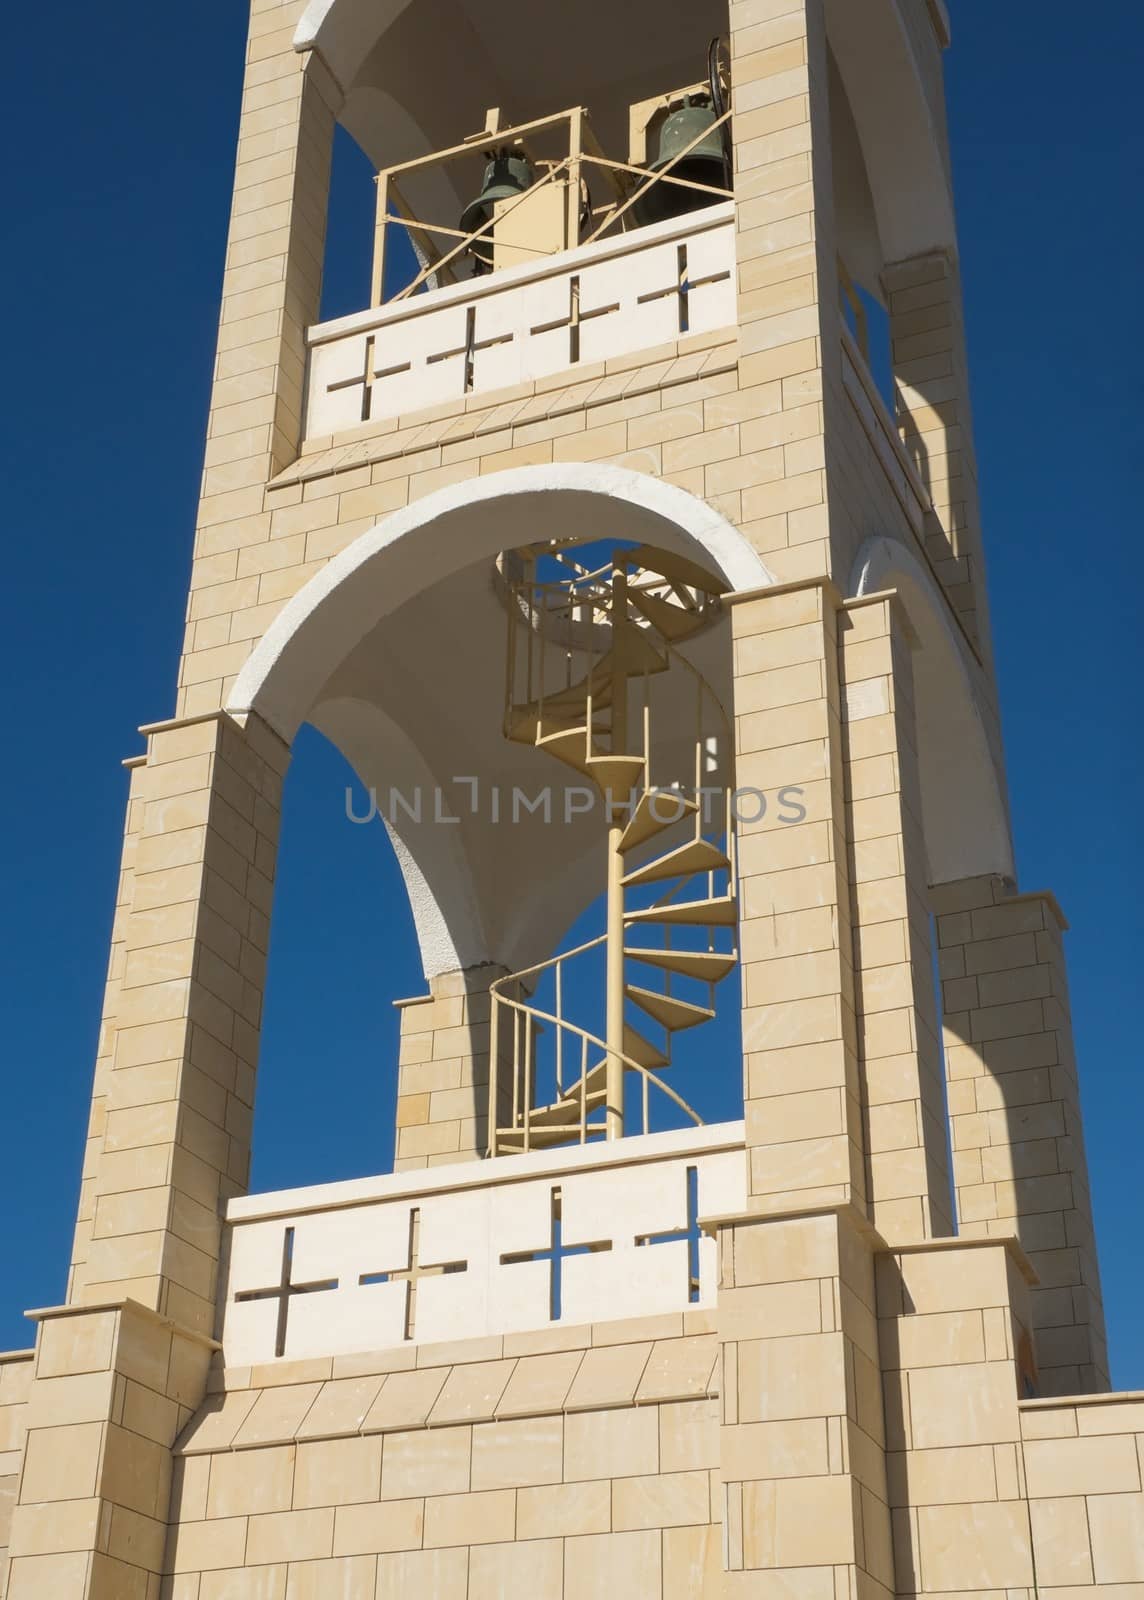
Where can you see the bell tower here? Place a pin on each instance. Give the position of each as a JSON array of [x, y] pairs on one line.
[[627, 544]]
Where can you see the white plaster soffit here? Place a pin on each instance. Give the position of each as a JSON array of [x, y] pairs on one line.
[[399, 558], [343, 35]]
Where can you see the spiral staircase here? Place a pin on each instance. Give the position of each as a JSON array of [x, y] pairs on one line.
[[587, 649]]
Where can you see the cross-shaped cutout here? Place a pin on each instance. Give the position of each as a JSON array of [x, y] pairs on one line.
[[556, 1254], [470, 348], [366, 378], [683, 287], [285, 1290], [575, 319], [412, 1272], [692, 1233]]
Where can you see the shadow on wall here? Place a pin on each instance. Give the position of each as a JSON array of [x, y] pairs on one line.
[[1018, 1146]]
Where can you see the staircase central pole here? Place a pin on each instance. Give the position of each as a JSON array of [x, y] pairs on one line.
[[616, 822]]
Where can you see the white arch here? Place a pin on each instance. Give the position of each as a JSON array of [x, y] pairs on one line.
[[966, 814], [452, 529], [901, 143], [343, 35]]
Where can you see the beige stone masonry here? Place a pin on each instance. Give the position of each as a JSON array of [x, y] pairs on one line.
[[785, 253], [105, 1050], [443, 1072], [895, 998], [16, 1373], [1018, 1139], [956, 1355], [802, 1097], [801, 1441], [181, 1090], [112, 1388], [1084, 1472], [854, 1418], [566, 1462]]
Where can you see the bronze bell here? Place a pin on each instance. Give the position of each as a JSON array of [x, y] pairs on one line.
[[506, 177], [704, 164]]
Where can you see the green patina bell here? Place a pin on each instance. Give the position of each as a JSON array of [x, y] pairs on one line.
[[704, 164], [506, 177]]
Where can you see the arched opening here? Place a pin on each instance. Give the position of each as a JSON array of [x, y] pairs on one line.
[[431, 94], [417, 656]]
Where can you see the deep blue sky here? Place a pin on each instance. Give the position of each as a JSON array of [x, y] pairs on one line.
[[120, 135]]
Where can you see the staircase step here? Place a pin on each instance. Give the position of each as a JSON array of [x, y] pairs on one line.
[[597, 1092], [676, 567], [668, 1011], [512, 1139], [530, 726], [640, 654], [655, 811], [569, 745], [718, 913], [675, 622], [709, 966], [617, 773], [642, 1051], [565, 1112], [697, 855]]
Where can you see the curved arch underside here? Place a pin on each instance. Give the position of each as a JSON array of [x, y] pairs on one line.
[[396, 653]]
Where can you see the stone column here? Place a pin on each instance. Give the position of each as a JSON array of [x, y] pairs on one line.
[[802, 1095], [271, 294], [801, 1441], [956, 1359], [895, 992], [1018, 1140], [773, 484], [112, 1388], [180, 1091], [105, 1050], [15, 1386], [443, 1071]]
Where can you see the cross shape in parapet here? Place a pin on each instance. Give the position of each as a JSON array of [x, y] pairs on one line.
[[556, 1254], [411, 1273], [285, 1290], [683, 287], [469, 350], [365, 379], [692, 1233], [575, 319]]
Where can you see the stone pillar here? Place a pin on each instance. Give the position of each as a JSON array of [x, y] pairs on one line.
[[773, 485], [1018, 1140], [802, 1095], [801, 1441], [443, 1071], [180, 1091], [895, 992], [15, 1386], [932, 395], [271, 294], [105, 1050], [112, 1388], [956, 1359]]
